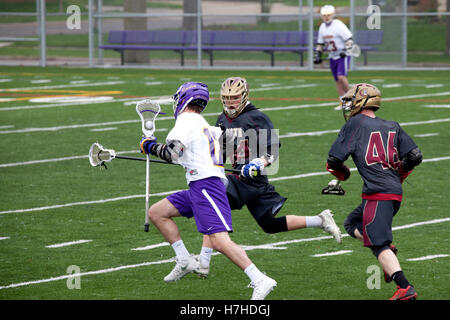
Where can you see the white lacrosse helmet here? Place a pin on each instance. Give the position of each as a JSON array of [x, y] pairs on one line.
[[327, 9]]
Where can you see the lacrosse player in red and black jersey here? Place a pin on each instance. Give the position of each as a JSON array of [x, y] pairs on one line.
[[384, 155], [251, 143]]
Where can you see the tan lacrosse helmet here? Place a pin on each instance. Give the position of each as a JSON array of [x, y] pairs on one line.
[[360, 96], [234, 87]]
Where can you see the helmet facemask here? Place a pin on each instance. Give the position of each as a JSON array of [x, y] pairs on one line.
[[234, 96], [360, 96]]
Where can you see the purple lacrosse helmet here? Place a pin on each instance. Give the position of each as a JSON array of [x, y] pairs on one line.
[[190, 93]]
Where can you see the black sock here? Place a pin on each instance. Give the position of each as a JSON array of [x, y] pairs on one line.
[[400, 279]]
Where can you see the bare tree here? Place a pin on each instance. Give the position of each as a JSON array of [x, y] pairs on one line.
[[136, 6], [190, 6]]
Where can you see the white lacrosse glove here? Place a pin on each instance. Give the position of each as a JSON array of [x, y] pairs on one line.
[[253, 168]]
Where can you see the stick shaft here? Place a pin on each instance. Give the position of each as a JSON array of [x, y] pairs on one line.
[[147, 192], [165, 162]]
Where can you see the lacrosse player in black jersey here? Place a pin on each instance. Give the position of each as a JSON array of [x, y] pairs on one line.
[[384, 155], [251, 143]]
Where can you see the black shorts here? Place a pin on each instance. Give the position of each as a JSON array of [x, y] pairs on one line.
[[373, 219], [259, 196]]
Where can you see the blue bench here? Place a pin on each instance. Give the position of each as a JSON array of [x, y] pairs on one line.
[[268, 42]]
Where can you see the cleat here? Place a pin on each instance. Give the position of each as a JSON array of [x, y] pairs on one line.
[[388, 278], [182, 268], [262, 287], [201, 271], [328, 225], [405, 294]]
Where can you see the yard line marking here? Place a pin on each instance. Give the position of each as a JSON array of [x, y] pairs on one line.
[[162, 244], [304, 175], [41, 81], [438, 85], [437, 106], [335, 253], [434, 256], [145, 264], [4, 238], [64, 86], [65, 244], [426, 135], [5, 80], [6, 127], [165, 193], [104, 129], [393, 85], [437, 94]]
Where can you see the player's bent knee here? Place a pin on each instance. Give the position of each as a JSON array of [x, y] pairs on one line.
[[376, 250], [270, 224]]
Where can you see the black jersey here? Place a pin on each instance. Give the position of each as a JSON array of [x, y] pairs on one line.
[[377, 147], [254, 136]]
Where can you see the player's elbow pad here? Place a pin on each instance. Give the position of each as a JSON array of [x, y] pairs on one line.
[[170, 152], [337, 168], [412, 159]]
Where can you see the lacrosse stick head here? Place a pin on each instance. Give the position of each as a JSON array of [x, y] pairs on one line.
[[98, 154], [333, 187], [190, 93], [148, 110], [355, 51]]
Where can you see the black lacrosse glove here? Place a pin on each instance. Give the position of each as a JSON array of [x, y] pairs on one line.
[[317, 58]]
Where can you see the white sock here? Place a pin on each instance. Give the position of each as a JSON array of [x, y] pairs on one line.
[[205, 256], [253, 273], [313, 222], [180, 250]]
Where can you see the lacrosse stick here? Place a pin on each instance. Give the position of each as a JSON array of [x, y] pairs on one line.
[[333, 187], [147, 110], [354, 51], [98, 155]]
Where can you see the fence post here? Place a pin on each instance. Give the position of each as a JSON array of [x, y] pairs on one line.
[[405, 34], [311, 35], [199, 34], [91, 34], [42, 34]]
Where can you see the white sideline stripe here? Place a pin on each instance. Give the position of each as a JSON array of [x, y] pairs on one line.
[[65, 244], [14, 164], [393, 85], [335, 253], [216, 209], [162, 244], [65, 86], [144, 264], [437, 106], [438, 85], [434, 256], [6, 127], [104, 129], [426, 135], [4, 238], [173, 191]]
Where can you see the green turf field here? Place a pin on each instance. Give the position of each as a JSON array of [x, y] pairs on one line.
[[50, 195]]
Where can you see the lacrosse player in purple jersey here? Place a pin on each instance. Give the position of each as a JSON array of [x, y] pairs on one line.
[[336, 38], [194, 144], [241, 122], [384, 156]]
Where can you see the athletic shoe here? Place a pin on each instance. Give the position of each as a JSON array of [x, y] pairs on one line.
[[201, 271], [328, 225], [182, 268], [388, 278], [262, 287], [405, 294]]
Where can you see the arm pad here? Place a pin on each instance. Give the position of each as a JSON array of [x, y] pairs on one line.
[[170, 152], [337, 168]]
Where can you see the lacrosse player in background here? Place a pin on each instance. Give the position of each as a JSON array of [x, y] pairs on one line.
[[384, 156], [194, 144], [238, 118], [336, 38]]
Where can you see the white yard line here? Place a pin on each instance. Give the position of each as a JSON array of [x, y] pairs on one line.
[[335, 253], [65, 244], [4, 238], [426, 135], [64, 86], [434, 256], [305, 175], [144, 264], [162, 244]]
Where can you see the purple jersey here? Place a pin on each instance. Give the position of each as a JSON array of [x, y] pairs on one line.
[[377, 147]]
